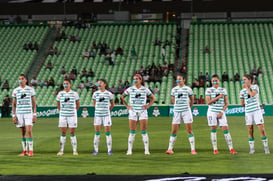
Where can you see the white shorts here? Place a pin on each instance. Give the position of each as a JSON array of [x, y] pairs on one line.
[[254, 117], [71, 122], [185, 116], [24, 120], [138, 116], [214, 121], [105, 121]]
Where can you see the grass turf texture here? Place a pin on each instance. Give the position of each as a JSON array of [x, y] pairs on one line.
[[46, 145]]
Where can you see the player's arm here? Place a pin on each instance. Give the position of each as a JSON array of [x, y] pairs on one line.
[[122, 98], [172, 99], [94, 103], [152, 100], [77, 105], [211, 101], [226, 103], [58, 105], [191, 101], [252, 93], [112, 102], [34, 108], [242, 101], [14, 110]]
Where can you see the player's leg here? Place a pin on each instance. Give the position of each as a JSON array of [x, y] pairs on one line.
[[143, 123], [264, 138], [107, 122], [29, 139], [223, 124], [188, 119], [108, 139], [249, 123], [73, 140], [62, 140], [175, 126], [97, 126], [23, 141], [212, 122], [132, 134]]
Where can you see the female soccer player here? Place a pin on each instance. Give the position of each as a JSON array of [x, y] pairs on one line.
[[249, 98], [103, 101], [181, 94], [218, 102], [68, 103], [24, 113], [138, 111]]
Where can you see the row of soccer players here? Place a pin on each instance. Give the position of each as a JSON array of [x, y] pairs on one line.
[[24, 113]]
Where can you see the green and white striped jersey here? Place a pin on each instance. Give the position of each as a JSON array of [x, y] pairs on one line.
[[220, 103], [251, 103], [181, 96], [138, 97], [103, 99], [23, 99], [68, 103]]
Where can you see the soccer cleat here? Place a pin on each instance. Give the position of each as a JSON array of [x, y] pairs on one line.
[[95, 153], [129, 152], [75, 153], [60, 153], [147, 153], [215, 152], [193, 152], [110, 153], [252, 151], [24, 153], [30, 153], [232, 151], [169, 152]]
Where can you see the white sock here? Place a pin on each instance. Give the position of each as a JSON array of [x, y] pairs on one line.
[[73, 140], [251, 143], [24, 144], [131, 140], [96, 141], [265, 143], [145, 140], [228, 139], [192, 141], [30, 144], [62, 142], [213, 139], [172, 141], [109, 141]]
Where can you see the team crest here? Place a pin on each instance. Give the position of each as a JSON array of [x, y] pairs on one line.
[[156, 112], [195, 111]]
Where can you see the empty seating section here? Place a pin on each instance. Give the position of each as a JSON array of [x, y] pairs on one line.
[[234, 47], [142, 36], [14, 60]]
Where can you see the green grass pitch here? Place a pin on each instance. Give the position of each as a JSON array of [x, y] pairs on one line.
[[46, 145]]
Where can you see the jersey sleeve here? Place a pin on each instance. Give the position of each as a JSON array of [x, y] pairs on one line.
[[208, 92], [32, 92], [190, 92], [241, 94], [14, 94], [148, 92], [111, 96], [225, 92], [172, 93], [77, 98], [58, 98], [94, 96], [127, 91]]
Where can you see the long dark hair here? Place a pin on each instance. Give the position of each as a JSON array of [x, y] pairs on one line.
[[249, 77], [105, 82]]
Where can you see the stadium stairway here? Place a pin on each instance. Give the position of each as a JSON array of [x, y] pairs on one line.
[[39, 59]]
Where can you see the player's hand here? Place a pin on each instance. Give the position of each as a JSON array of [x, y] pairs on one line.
[[145, 107], [219, 116], [15, 120], [129, 107], [34, 119], [221, 95]]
